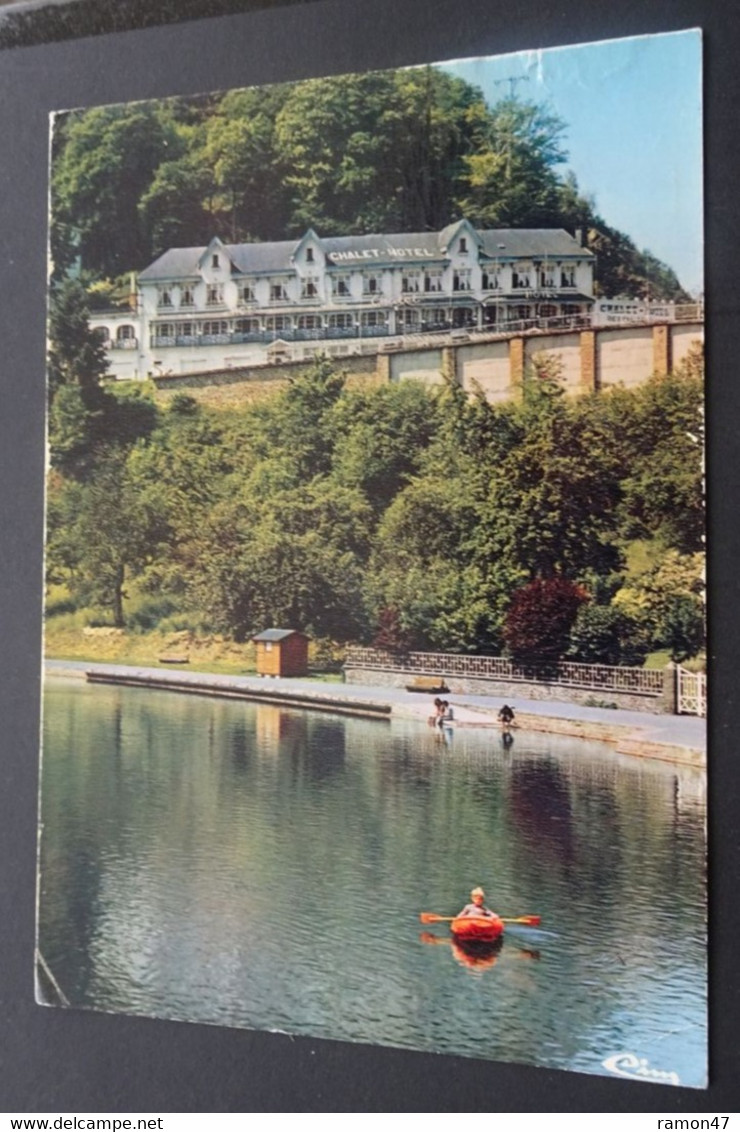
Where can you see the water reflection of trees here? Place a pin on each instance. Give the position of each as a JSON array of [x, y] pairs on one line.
[[176, 822]]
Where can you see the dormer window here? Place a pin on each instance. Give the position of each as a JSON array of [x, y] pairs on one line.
[[309, 255], [462, 247], [214, 261]]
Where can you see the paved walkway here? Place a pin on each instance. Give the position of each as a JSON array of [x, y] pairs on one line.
[[678, 738]]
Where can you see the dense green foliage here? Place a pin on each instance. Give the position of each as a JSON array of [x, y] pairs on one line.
[[401, 514], [392, 151]]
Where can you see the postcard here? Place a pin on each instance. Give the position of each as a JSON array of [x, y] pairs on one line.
[[375, 684]]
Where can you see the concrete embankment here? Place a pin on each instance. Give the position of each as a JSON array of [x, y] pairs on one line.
[[675, 739]]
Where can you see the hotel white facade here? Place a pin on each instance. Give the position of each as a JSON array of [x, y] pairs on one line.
[[230, 305]]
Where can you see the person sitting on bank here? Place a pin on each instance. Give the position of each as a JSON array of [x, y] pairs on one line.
[[506, 715], [438, 713], [477, 906]]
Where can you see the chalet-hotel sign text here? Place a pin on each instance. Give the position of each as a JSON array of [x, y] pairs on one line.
[[383, 253]]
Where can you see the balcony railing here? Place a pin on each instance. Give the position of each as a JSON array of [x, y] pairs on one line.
[[262, 337], [122, 344]]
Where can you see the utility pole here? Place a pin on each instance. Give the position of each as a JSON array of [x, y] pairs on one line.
[[512, 81]]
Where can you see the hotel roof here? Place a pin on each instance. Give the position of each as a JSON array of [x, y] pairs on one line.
[[400, 248]]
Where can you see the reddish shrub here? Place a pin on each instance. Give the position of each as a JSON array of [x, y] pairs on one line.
[[540, 618]]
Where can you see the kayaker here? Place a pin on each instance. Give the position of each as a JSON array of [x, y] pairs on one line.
[[477, 906]]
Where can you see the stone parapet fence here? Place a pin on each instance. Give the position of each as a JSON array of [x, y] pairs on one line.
[[632, 689]]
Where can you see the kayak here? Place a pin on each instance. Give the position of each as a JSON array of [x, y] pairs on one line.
[[472, 929]]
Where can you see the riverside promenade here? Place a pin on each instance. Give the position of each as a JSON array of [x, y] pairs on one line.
[[672, 738]]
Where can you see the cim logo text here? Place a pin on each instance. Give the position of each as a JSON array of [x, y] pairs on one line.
[[639, 1069]]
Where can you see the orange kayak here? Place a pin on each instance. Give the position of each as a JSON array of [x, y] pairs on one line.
[[482, 929]]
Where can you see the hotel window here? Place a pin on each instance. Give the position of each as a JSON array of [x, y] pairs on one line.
[[547, 277], [437, 316], [341, 321], [462, 247], [548, 310], [214, 295], [124, 333], [164, 297], [408, 319], [277, 322], [309, 322], [278, 292], [309, 255], [433, 282], [217, 326], [411, 282], [186, 329], [489, 281], [246, 293], [567, 277], [371, 285], [164, 330], [341, 287], [247, 325], [461, 280], [187, 296], [214, 261], [310, 287], [374, 318], [520, 279]]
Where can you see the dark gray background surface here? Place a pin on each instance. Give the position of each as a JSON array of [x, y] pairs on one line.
[[68, 1061]]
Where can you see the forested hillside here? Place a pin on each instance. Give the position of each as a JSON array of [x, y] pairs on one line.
[[394, 151], [398, 514]]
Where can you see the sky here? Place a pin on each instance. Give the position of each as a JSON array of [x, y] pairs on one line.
[[633, 113]]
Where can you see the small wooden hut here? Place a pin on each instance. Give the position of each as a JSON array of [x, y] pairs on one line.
[[282, 652]]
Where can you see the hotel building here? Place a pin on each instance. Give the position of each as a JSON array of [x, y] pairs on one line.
[[227, 305]]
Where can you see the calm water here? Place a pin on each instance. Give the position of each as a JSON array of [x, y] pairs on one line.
[[254, 866]]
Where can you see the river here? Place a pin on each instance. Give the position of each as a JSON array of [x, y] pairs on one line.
[[256, 866]]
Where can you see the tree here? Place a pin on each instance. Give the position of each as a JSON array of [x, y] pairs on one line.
[[75, 367], [540, 619], [511, 177], [667, 600], [603, 634], [106, 162], [385, 432], [551, 502], [104, 531], [294, 559], [681, 628]]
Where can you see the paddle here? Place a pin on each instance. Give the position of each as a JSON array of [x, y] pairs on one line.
[[433, 918]]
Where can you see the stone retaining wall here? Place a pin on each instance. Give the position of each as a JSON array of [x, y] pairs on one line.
[[513, 690]]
